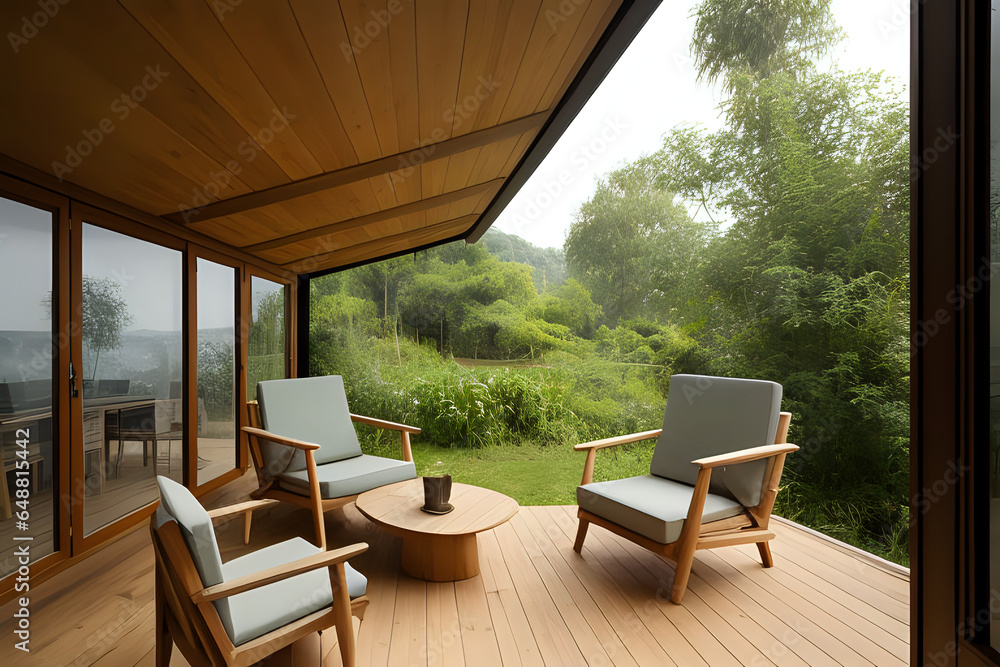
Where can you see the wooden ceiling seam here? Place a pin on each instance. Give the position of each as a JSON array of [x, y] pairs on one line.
[[326, 87], [380, 167], [458, 79], [458, 84], [218, 17], [520, 62], [563, 83], [263, 86], [479, 190]]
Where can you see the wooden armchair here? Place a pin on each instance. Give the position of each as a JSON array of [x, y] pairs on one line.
[[306, 452], [242, 611], [713, 478]]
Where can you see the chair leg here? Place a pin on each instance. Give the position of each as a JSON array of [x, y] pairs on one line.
[[581, 535], [118, 461], [246, 526], [765, 554], [681, 575], [164, 643], [342, 614]]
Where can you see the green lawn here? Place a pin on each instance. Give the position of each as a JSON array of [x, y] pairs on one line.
[[530, 474]]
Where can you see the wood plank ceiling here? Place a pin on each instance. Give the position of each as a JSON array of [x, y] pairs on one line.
[[311, 134]]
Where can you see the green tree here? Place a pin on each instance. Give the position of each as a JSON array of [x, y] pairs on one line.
[[570, 305], [633, 247], [104, 317], [266, 341], [549, 263], [380, 282], [760, 37]]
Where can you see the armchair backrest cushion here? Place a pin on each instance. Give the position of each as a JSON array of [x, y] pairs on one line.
[[708, 416], [179, 504], [310, 409]]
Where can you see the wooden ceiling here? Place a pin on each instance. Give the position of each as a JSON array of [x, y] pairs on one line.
[[311, 134]]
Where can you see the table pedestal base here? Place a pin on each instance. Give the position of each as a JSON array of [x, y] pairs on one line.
[[440, 557]]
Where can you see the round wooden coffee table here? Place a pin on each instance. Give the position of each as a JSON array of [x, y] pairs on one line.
[[437, 547]]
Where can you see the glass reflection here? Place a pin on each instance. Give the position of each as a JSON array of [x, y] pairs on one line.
[[266, 345], [27, 452], [216, 370], [131, 368]]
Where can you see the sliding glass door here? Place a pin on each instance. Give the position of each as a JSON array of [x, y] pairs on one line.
[[29, 511], [130, 371]]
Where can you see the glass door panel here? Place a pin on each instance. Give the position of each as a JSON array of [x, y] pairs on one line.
[[266, 353], [131, 324], [28, 508], [216, 351]]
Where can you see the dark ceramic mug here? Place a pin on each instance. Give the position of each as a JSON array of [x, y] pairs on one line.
[[437, 492]]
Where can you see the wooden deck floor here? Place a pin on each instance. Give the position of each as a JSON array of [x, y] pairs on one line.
[[536, 602]]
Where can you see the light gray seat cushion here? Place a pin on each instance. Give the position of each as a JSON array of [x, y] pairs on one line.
[[650, 505], [707, 416], [259, 611], [310, 409], [350, 477]]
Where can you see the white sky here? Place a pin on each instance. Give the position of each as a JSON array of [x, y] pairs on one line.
[[653, 88]]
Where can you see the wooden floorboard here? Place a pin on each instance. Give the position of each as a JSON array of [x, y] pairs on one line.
[[536, 601]]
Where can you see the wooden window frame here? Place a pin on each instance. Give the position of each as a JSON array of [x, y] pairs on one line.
[[59, 206]]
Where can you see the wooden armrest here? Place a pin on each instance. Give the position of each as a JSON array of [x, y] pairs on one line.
[[618, 440], [744, 455], [280, 439], [592, 447], [271, 575], [239, 508], [379, 423]]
